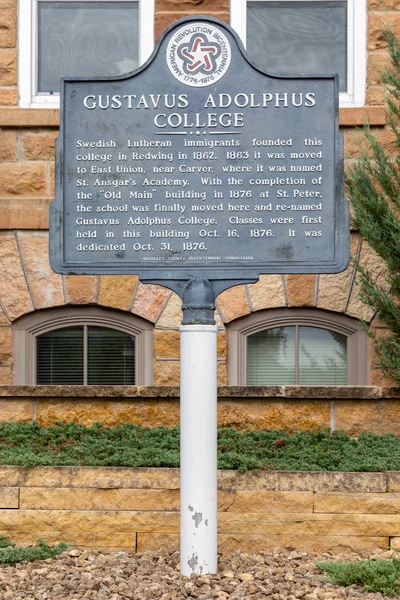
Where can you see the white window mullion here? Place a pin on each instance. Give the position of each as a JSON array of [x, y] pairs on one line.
[[146, 29], [25, 54]]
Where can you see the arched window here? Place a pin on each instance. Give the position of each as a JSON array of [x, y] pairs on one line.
[[296, 347], [83, 346]]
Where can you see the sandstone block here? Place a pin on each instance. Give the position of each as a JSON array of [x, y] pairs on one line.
[[166, 344], [222, 375], [273, 414], [261, 501], [80, 289], [109, 412], [293, 416], [149, 542], [90, 477], [308, 524], [322, 481], [268, 292], [393, 479], [23, 179], [39, 145], [262, 543], [149, 301], [5, 345], [379, 416], [394, 543], [24, 213], [86, 539], [375, 96], [115, 540], [357, 503], [40, 498], [15, 410], [166, 372], [251, 480], [8, 66], [5, 375], [300, 289], [8, 3], [376, 24], [8, 28], [84, 521], [384, 5], [192, 6], [164, 19], [333, 290], [375, 265], [117, 290], [8, 96], [8, 145], [46, 286], [171, 314], [377, 64], [14, 293], [355, 140], [233, 303], [371, 115], [221, 345], [51, 179], [377, 377], [9, 497]]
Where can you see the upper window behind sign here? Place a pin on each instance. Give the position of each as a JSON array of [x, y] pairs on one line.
[[83, 39], [311, 37]]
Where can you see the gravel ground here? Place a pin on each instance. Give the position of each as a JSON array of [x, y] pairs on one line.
[[276, 575]]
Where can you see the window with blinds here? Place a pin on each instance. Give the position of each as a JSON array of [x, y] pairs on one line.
[[297, 355], [85, 355]]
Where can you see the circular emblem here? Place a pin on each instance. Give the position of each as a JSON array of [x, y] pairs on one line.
[[198, 54]]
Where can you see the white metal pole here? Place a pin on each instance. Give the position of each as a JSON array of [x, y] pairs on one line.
[[198, 417]]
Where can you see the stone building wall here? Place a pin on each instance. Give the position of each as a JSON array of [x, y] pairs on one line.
[[27, 283]]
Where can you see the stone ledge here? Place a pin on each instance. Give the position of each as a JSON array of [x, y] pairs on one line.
[[157, 478], [50, 117], [365, 115], [224, 392], [29, 117]]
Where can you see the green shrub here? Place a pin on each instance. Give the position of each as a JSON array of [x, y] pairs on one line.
[[374, 575], [134, 446], [11, 554]]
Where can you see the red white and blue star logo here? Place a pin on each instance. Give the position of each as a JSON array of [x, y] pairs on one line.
[[198, 54]]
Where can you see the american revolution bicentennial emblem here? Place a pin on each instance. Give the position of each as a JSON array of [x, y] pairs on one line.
[[198, 54]]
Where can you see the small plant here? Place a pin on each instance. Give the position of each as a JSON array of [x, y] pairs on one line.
[[374, 575], [11, 554]]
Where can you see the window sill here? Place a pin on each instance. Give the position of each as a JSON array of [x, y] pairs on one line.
[[288, 392], [50, 117]]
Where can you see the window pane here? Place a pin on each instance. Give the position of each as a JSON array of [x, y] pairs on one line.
[[299, 37], [322, 357], [271, 357], [111, 357], [85, 39], [60, 357]]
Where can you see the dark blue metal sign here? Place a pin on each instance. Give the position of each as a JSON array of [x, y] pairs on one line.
[[199, 164]]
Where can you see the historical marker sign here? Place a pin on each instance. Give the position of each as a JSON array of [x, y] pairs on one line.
[[199, 164]]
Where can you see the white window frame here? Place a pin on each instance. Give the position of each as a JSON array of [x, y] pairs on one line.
[[356, 45], [28, 51]]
